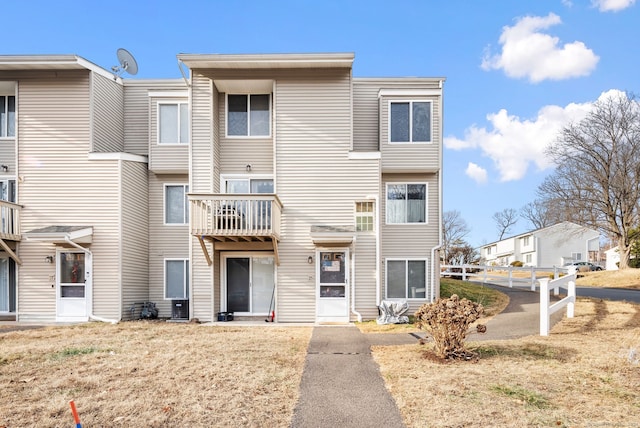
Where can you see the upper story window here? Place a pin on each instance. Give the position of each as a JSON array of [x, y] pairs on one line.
[[410, 122], [249, 115], [525, 241], [406, 203], [7, 116], [364, 216], [176, 204], [173, 123]]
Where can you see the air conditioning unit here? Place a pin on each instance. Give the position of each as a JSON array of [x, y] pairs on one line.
[[180, 309]]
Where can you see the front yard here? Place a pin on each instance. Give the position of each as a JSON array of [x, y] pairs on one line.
[[151, 374], [155, 374]]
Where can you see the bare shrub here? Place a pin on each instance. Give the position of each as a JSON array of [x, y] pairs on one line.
[[447, 320]]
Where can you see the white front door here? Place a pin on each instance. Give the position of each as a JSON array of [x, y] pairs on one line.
[[72, 285], [332, 285], [249, 284]]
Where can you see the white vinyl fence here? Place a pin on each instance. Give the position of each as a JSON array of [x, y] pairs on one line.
[[568, 282], [502, 275]]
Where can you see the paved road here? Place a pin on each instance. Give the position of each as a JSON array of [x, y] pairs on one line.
[[610, 293]]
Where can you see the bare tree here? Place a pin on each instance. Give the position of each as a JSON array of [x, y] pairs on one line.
[[454, 230], [505, 220], [596, 182], [540, 213]]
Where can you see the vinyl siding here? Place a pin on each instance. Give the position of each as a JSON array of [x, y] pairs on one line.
[[107, 115], [316, 181], [365, 116], [405, 241], [135, 235], [165, 241], [365, 275], [204, 160], [237, 152], [165, 158], [60, 187], [411, 157], [137, 109], [8, 157]]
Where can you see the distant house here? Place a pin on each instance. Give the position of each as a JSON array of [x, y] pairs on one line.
[[554, 245]]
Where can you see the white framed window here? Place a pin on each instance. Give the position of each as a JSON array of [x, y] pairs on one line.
[[176, 204], [410, 121], [173, 122], [365, 216], [176, 279], [576, 257], [527, 258], [489, 250], [406, 278], [406, 203], [7, 116], [248, 115], [525, 241], [246, 184]]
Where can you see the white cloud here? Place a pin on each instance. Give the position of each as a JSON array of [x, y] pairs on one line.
[[612, 5], [515, 144], [527, 52], [476, 173]]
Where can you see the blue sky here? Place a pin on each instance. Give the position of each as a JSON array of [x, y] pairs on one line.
[[516, 71]]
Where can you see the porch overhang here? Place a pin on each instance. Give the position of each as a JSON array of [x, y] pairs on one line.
[[61, 234], [332, 235]]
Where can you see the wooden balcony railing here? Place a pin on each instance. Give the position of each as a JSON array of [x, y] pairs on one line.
[[224, 216], [10, 221]]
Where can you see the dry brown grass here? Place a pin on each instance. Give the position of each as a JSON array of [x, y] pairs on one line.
[[626, 278], [581, 375], [151, 375]]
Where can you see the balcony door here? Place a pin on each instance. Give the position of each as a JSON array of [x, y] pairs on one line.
[[248, 283], [256, 214]]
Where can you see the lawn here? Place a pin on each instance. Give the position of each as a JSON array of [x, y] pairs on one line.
[[156, 374], [151, 374]]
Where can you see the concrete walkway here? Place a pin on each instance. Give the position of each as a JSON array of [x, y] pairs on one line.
[[341, 383]]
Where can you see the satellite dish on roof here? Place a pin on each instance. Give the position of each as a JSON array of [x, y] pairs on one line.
[[127, 63]]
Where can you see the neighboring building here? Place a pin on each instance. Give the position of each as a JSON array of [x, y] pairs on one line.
[[550, 246], [259, 183], [612, 258]]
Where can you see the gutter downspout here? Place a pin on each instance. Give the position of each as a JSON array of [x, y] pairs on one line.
[[433, 273], [87, 251], [437, 247], [378, 282], [353, 282]]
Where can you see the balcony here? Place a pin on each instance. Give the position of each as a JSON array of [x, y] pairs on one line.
[[236, 221], [10, 221]]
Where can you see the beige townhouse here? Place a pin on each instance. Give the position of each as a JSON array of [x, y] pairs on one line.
[[256, 185]]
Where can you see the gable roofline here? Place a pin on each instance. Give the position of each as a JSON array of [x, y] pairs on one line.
[[267, 61], [531, 232], [52, 62]]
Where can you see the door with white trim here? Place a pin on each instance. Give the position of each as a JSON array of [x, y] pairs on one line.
[[332, 285], [72, 285], [248, 284]]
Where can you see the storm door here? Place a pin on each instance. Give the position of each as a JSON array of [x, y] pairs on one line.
[[72, 285], [333, 286]]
